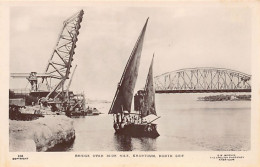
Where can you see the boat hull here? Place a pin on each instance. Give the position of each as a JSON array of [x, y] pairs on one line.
[[138, 130]]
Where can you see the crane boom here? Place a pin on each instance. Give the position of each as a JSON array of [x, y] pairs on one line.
[[67, 91], [61, 58]]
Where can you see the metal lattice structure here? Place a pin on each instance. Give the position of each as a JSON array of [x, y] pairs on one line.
[[202, 80], [60, 62]]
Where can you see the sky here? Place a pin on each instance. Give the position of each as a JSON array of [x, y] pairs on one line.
[[180, 36]]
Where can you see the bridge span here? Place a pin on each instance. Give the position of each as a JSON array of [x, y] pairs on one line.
[[202, 80]]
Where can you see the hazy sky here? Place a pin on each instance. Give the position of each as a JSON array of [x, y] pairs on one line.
[[181, 36]]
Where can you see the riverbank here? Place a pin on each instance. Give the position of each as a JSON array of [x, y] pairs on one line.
[[40, 135]]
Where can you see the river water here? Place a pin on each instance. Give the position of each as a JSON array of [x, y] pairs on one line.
[[186, 124]]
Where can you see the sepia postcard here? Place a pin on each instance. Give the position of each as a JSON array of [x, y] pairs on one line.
[[120, 83]]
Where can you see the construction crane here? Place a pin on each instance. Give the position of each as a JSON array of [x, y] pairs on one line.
[[68, 87], [58, 67], [60, 61]]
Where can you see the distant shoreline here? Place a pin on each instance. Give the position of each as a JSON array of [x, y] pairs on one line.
[[97, 101], [226, 98]]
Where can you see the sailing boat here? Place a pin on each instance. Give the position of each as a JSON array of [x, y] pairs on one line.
[[125, 122]]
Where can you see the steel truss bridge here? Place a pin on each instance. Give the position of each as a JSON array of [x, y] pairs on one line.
[[202, 80]]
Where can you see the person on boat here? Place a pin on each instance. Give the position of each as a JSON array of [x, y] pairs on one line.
[[139, 121], [118, 118], [128, 119], [125, 119], [117, 121], [123, 123], [116, 126], [136, 120], [131, 119], [144, 121], [138, 99]]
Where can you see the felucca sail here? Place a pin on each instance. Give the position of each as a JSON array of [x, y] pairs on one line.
[[149, 94], [124, 94]]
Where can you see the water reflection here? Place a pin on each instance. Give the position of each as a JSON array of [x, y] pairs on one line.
[[62, 147], [127, 143], [148, 144], [122, 142]]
